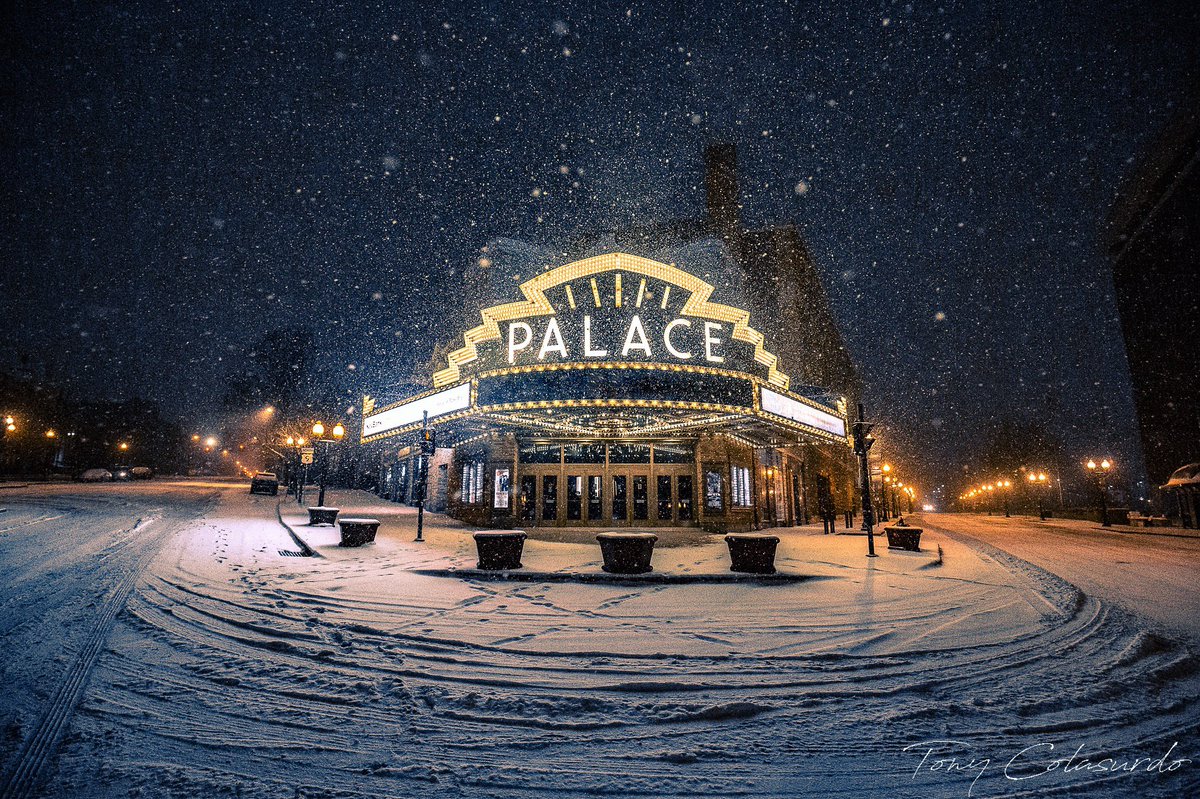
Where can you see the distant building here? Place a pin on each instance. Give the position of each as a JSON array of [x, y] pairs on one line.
[[1153, 239], [685, 373]]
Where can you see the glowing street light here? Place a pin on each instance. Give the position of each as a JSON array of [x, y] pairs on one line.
[[1100, 471], [885, 471], [1005, 485], [337, 432], [1038, 481], [123, 446]]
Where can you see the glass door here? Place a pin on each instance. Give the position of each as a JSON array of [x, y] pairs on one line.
[[550, 498], [595, 497], [665, 509], [641, 497], [684, 486], [527, 498], [620, 498], [574, 497]]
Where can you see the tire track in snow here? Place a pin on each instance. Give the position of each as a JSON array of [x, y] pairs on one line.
[[38, 749]]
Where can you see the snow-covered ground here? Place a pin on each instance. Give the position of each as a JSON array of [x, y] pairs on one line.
[[187, 655], [1152, 572]]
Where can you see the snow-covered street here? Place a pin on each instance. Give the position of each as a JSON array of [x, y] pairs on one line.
[[165, 640], [1152, 572]]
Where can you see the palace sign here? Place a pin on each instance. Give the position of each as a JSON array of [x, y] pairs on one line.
[[614, 308]]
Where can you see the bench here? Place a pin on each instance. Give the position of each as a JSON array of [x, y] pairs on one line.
[[752, 553], [356, 532], [499, 549], [627, 553], [322, 515], [1148, 521]]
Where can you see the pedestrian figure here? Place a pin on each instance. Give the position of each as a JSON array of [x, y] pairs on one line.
[[828, 513]]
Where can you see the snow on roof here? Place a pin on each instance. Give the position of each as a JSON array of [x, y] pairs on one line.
[[1184, 476]]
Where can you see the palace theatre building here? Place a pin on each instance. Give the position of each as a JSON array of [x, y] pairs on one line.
[[616, 390]]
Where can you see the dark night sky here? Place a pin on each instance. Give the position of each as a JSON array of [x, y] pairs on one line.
[[179, 180]]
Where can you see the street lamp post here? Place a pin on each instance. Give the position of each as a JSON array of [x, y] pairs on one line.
[[319, 433], [862, 446], [887, 471], [1037, 481], [1004, 486], [1101, 470], [297, 468], [10, 427]]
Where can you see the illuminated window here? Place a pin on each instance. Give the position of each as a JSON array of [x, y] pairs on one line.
[[713, 499], [472, 483], [538, 453], [739, 479], [629, 453], [673, 453], [583, 453]]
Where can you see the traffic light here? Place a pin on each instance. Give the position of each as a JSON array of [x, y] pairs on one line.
[[862, 437], [428, 441]]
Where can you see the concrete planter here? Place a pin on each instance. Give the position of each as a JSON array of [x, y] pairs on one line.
[[356, 532], [320, 515], [499, 549], [904, 537], [627, 553], [752, 553]]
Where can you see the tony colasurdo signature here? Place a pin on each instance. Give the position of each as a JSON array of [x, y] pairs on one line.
[[1040, 760]]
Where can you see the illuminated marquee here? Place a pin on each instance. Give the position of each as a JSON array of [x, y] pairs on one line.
[[788, 408], [413, 412]]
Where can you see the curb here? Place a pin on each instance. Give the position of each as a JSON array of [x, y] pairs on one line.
[[654, 578], [308, 551]]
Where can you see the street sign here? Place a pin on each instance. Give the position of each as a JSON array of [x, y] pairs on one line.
[[306, 456]]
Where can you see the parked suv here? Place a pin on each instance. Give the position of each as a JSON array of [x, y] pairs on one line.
[[264, 483]]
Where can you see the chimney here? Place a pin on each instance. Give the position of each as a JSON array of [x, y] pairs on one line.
[[720, 181]]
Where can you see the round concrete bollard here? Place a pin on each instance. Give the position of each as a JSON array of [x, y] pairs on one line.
[[753, 553], [627, 553], [500, 549]]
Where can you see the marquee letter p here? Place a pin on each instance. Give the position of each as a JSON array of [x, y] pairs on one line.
[[515, 346]]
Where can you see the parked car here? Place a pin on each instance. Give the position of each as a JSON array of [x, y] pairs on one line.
[[96, 476], [264, 483], [141, 473], [122, 473]]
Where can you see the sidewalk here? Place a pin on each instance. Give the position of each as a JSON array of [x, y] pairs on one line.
[[683, 554]]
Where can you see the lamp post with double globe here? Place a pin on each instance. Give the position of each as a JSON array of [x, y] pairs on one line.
[[1100, 473], [337, 432]]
